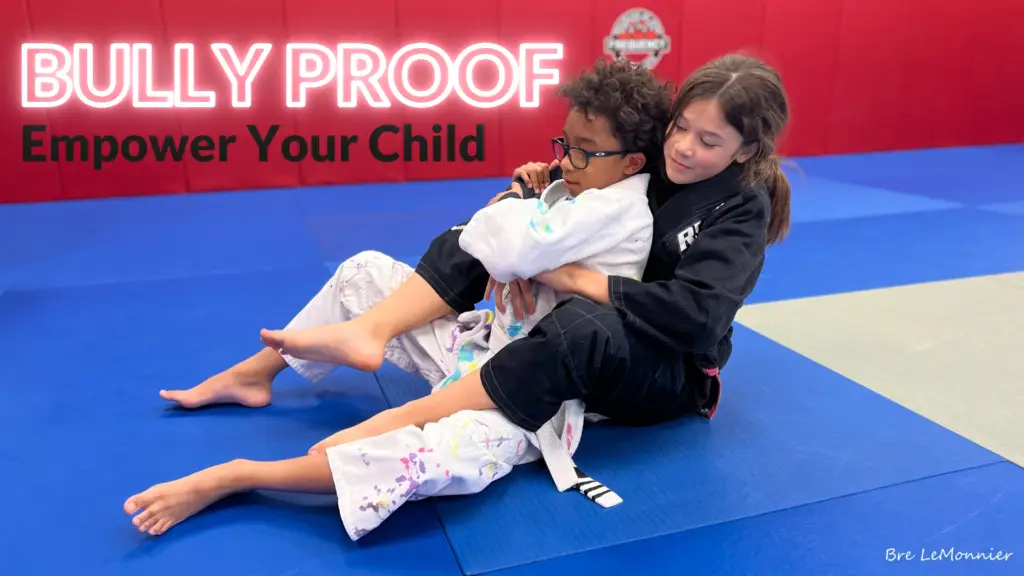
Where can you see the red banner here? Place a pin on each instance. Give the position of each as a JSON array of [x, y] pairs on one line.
[[113, 98]]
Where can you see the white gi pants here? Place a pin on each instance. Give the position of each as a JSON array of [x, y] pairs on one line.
[[461, 454]]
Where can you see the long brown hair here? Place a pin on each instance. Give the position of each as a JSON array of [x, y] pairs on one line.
[[753, 100]]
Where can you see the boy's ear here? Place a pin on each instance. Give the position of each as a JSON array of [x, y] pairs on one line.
[[634, 163]]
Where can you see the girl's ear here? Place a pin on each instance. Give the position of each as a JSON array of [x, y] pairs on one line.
[[746, 153]]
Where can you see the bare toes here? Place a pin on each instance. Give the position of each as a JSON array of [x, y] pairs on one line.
[[150, 523], [139, 502], [158, 527], [143, 519], [271, 338], [162, 527]]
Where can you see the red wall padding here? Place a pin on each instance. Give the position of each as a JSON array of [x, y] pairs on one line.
[[23, 181], [241, 23], [862, 75], [326, 22]]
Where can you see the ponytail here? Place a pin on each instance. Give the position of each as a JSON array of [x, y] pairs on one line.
[[778, 193]]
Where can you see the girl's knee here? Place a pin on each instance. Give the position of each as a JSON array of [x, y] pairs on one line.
[[579, 321]]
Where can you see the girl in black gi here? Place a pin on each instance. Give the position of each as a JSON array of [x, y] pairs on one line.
[[636, 351]]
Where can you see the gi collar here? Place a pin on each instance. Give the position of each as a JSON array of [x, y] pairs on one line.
[[699, 195]]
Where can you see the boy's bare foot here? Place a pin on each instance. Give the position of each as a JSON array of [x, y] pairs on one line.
[[235, 385], [165, 505], [346, 344]]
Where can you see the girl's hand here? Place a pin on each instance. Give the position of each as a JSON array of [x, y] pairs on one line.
[[561, 279], [575, 279], [537, 175], [500, 194], [519, 293]]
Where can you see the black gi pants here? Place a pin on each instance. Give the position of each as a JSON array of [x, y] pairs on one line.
[[581, 350]]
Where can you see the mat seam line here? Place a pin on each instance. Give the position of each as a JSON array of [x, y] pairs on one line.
[[871, 291], [863, 217]]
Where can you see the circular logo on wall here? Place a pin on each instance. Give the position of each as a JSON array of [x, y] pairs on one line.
[[639, 35]]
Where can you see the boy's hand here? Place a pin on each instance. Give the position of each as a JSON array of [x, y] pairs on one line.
[[535, 174], [519, 293]]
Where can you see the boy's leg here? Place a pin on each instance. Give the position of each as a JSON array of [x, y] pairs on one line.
[[247, 383], [447, 279], [461, 454], [164, 505], [374, 309], [384, 295]]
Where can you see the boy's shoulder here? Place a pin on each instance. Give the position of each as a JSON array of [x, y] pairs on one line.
[[632, 187], [635, 184]]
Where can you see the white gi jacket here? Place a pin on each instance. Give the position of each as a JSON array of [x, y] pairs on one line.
[[609, 230]]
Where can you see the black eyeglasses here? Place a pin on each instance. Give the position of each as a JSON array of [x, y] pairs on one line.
[[578, 157]]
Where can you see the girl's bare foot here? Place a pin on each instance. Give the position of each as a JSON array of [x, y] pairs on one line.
[[232, 386], [346, 344], [164, 505]]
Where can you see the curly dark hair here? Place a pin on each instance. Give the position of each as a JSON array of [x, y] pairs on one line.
[[636, 103]]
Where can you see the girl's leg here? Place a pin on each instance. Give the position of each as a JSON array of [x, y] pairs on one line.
[[581, 351], [164, 505], [370, 300], [588, 351]]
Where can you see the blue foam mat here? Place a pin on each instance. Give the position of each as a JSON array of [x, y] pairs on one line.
[[820, 199], [394, 234], [789, 432], [972, 175], [398, 220], [1016, 208], [400, 387], [93, 242], [459, 198], [82, 429], [979, 511], [859, 254], [215, 268]]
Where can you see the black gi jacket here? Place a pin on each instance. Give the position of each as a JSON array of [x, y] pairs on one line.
[[691, 291], [709, 248]]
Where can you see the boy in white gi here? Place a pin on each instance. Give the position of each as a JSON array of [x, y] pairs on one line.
[[597, 215]]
